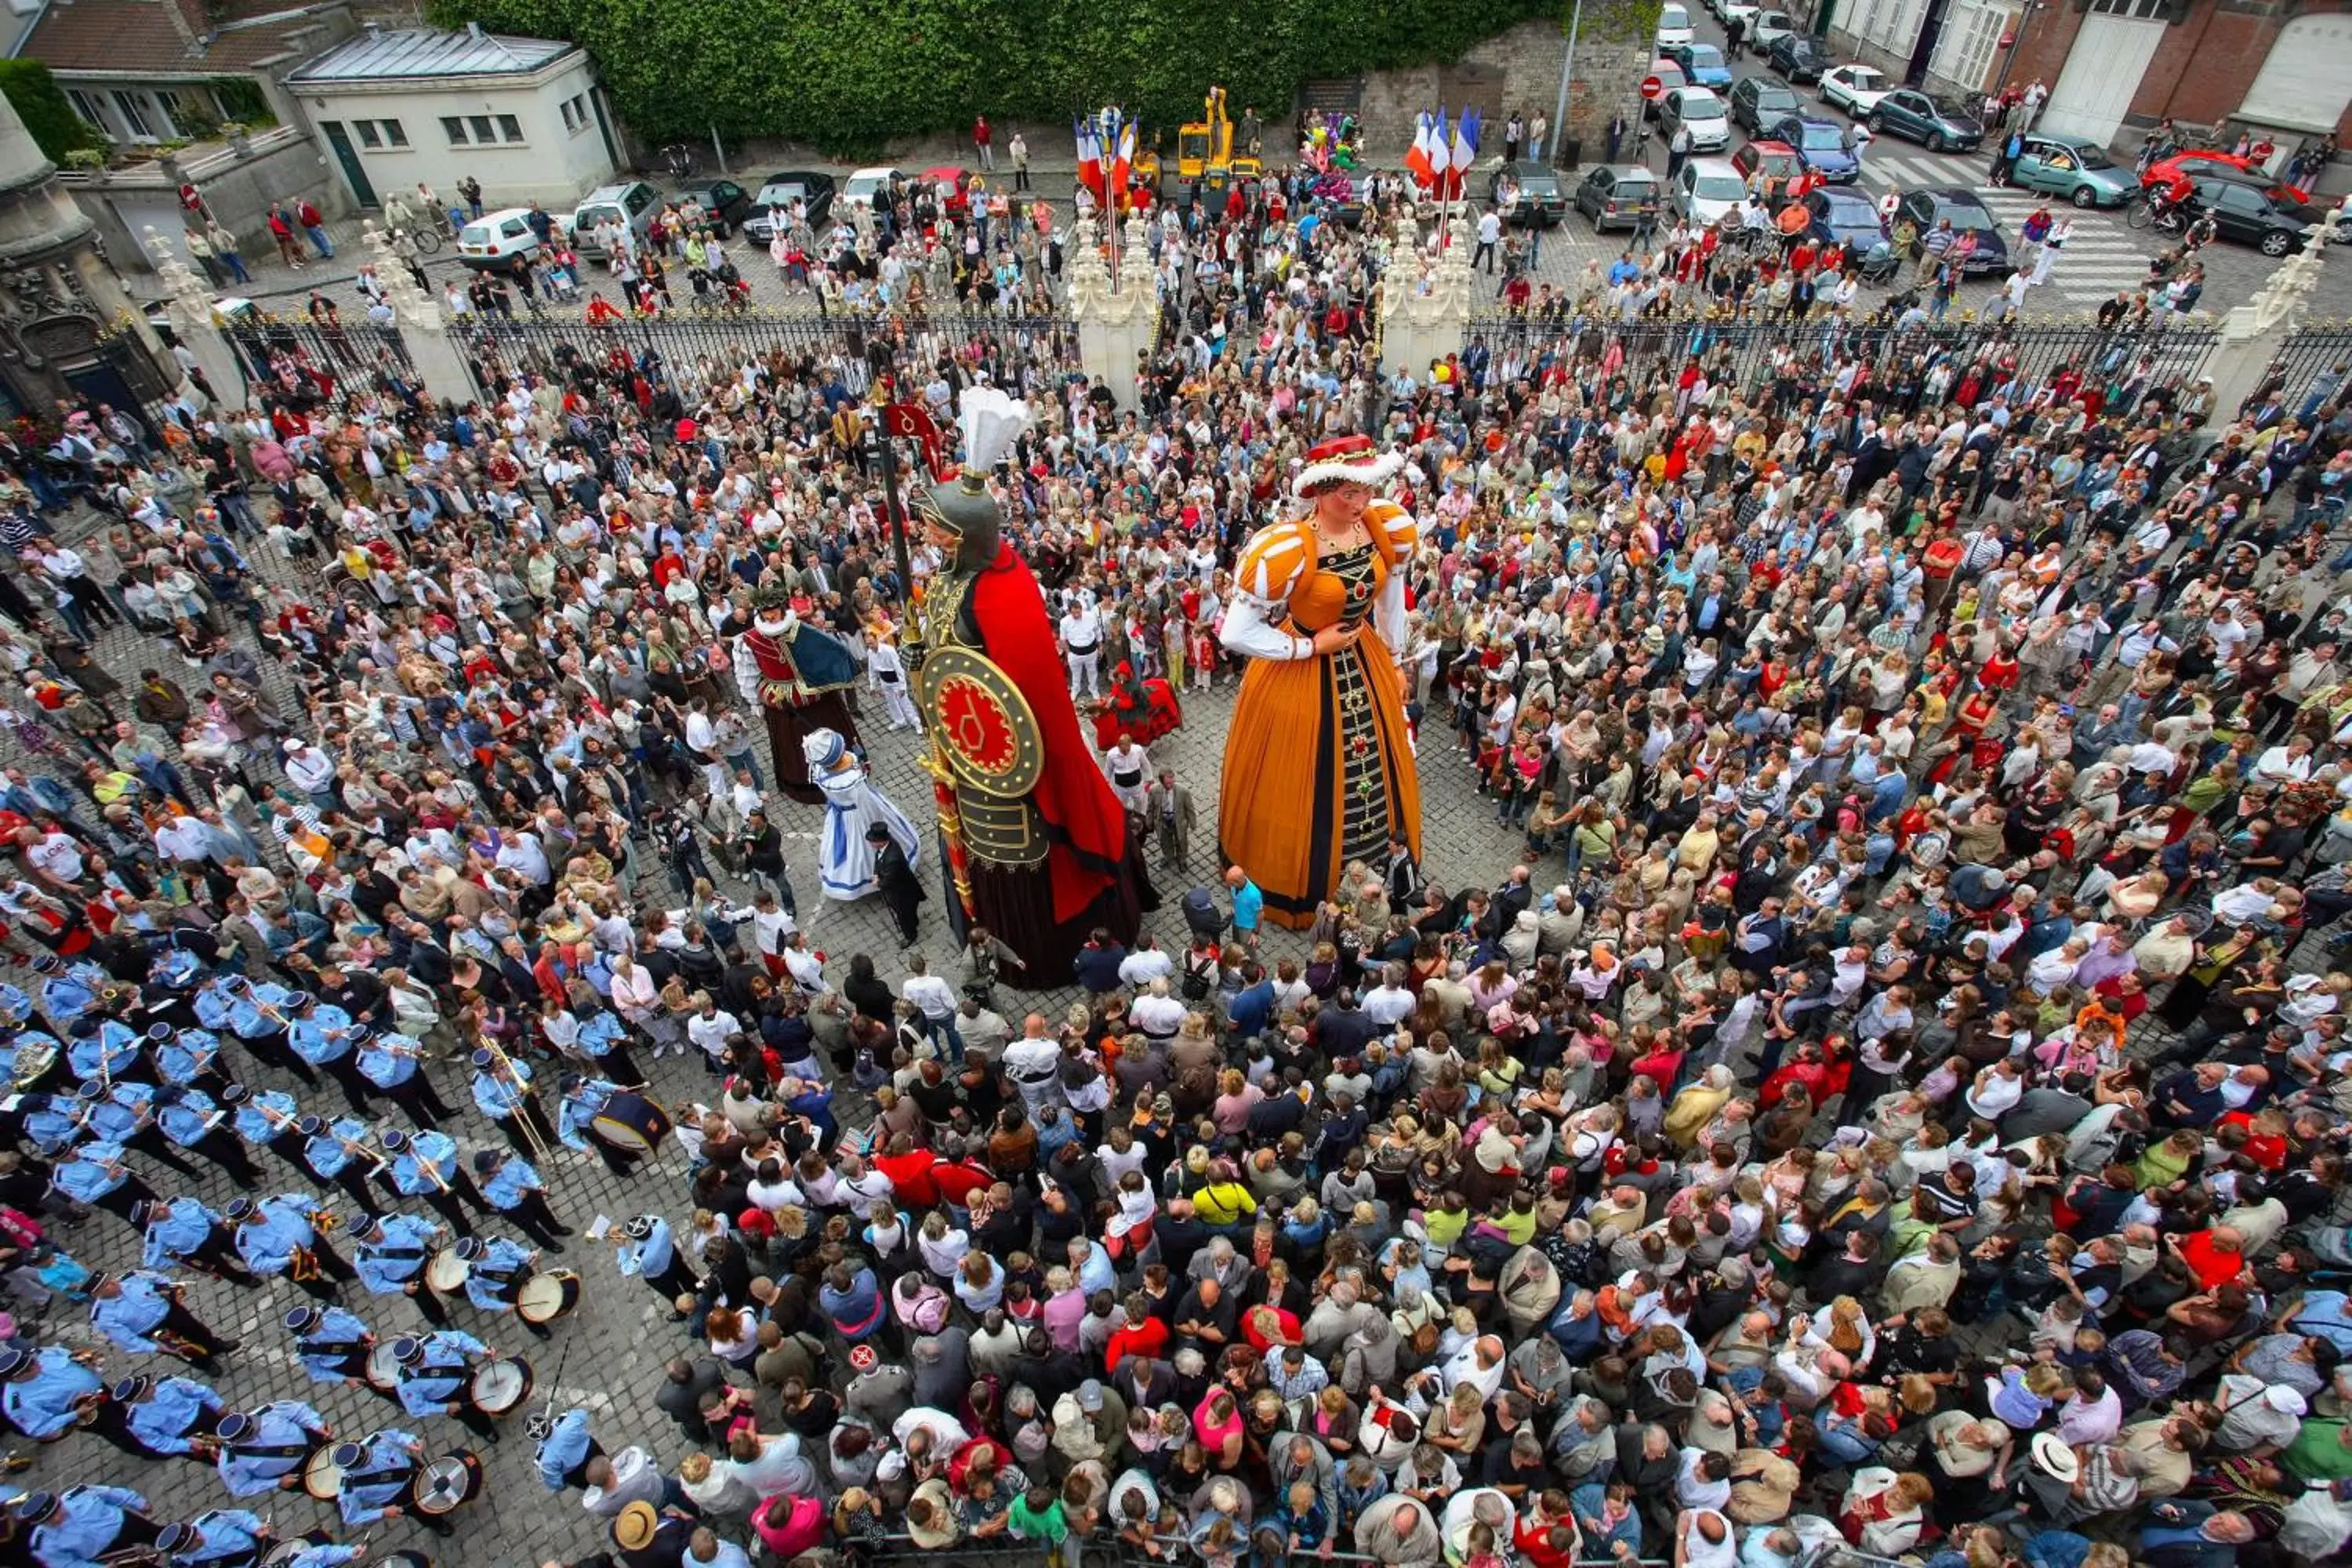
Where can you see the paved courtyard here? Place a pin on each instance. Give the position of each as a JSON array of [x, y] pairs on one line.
[[610, 1353]]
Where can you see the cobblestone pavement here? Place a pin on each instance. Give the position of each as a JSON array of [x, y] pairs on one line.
[[611, 1350]]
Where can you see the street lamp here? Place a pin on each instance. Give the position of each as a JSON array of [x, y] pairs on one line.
[[1566, 66]]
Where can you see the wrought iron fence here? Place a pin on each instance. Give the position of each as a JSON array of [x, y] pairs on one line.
[[1747, 353], [698, 350], [2313, 365], [299, 353]]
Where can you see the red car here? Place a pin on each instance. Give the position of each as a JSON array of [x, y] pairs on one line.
[[1784, 172], [2172, 175]]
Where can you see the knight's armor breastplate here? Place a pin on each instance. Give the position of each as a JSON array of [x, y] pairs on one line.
[[1000, 826]]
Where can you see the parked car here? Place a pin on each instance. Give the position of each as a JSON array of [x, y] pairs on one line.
[[814, 190], [1740, 11], [1844, 218], [500, 241], [1797, 57], [1826, 147], [2074, 167], [1700, 112], [2247, 214], [1768, 28], [1673, 26], [723, 199], [1854, 89], [2182, 167], [1926, 209], [1670, 77], [1756, 102], [1543, 200], [859, 189], [1702, 63], [1618, 196], [635, 205], [1939, 121], [1707, 188], [1778, 160]]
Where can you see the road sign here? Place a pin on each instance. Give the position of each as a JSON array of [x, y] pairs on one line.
[[1652, 87]]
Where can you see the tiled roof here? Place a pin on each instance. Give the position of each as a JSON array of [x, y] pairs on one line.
[[413, 52], [138, 36]]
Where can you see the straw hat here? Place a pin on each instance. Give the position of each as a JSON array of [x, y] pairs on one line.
[[634, 1530]]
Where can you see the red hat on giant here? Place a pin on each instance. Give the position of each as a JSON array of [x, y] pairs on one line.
[[1345, 459]]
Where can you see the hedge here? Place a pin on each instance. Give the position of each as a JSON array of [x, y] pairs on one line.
[[42, 105], [848, 75]]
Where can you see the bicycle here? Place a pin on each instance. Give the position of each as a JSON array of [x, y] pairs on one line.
[[681, 159], [425, 236], [2146, 208]]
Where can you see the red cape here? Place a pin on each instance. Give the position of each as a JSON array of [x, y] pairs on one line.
[[1088, 824]]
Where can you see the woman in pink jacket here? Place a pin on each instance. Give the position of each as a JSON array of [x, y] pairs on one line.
[[789, 1525]]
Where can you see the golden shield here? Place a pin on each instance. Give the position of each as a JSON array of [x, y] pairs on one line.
[[982, 722]]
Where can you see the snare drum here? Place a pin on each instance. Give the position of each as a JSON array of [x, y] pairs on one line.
[[383, 1371], [446, 1484], [547, 1297], [499, 1387], [632, 1124], [321, 1477], [445, 1272]]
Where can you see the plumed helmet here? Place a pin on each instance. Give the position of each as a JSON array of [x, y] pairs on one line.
[[990, 423]]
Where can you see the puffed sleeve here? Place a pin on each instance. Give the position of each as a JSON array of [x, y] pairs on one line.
[[1270, 567], [1399, 533]]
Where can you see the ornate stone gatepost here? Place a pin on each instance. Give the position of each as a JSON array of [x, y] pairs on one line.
[[1117, 316], [2254, 332], [193, 323], [1424, 301], [433, 353]]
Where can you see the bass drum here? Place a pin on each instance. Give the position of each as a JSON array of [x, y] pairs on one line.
[[499, 1387], [632, 1124], [547, 1297], [446, 1484], [321, 1477], [293, 1546], [383, 1371], [445, 1272]]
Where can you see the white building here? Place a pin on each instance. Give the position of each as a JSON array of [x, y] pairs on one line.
[[524, 116]]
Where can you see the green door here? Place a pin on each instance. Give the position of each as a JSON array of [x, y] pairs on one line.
[[354, 176]]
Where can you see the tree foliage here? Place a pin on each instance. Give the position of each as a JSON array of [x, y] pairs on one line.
[[851, 74], [42, 105]]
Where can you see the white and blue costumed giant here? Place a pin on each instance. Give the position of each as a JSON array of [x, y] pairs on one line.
[[845, 859]]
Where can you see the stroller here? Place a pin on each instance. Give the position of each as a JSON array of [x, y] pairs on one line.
[[1879, 265]]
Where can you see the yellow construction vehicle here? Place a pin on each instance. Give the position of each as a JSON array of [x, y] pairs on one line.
[[1206, 165]]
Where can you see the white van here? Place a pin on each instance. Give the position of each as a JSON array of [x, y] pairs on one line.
[[1674, 27]]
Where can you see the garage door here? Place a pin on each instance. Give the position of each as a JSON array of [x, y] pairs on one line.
[[2307, 79], [2103, 69]]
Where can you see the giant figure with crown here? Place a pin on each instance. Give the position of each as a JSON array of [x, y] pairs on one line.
[[1037, 845]]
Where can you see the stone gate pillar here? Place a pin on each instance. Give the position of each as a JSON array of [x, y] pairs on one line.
[[1425, 302], [190, 305], [2254, 333], [1117, 317], [433, 353]]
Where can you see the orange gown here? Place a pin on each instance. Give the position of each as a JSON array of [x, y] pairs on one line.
[[1320, 767]]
